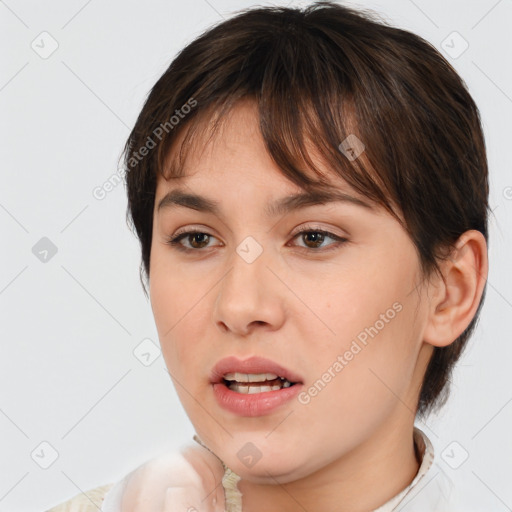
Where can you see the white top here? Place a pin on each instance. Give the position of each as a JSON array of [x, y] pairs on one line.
[[430, 490]]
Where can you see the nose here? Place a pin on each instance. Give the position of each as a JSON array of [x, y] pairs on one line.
[[249, 297]]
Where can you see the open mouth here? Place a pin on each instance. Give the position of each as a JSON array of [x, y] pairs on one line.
[[255, 386], [251, 383]]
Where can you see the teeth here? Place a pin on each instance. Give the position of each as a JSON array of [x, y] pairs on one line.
[[250, 377], [251, 383], [250, 389]]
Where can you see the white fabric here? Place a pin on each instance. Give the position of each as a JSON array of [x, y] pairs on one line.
[[164, 484], [430, 491]]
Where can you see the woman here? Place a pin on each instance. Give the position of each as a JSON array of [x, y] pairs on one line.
[[310, 191]]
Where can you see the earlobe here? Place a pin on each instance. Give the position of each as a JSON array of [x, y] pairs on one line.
[[454, 301]]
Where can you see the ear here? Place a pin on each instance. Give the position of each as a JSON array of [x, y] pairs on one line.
[[454, 301]]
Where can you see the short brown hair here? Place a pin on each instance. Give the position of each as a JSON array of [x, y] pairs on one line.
[[320, 74]]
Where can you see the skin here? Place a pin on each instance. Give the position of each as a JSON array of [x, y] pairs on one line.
[[302, 305]]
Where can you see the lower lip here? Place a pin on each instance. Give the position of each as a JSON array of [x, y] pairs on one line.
[[256, 404]]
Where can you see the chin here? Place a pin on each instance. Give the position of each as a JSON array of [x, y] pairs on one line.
[[276, 468]]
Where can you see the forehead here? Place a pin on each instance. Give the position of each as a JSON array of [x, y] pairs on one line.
[[215, 143], [205, 157]]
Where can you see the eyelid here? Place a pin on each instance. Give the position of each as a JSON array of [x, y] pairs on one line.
[[315, 227], [175, 240], [300, 229], [193, 229]]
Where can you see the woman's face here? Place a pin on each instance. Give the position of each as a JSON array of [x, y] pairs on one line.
[[340, 315]]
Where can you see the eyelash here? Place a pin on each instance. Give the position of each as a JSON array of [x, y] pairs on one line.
[[175, 240]]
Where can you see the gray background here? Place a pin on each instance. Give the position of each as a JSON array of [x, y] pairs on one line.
[[79, 405]]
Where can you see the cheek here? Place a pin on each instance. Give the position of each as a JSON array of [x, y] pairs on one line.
[[373, 324], [346, 305], [170, 303], [174, 294], [358, 384]]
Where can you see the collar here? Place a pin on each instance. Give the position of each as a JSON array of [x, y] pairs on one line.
[[423, 448], [230, 481], [425, 453]]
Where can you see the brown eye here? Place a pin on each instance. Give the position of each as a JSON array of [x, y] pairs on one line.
[[197, 240], [314, 238]]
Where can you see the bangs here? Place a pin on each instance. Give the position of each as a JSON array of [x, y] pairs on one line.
[[306, 108], [302, 119]]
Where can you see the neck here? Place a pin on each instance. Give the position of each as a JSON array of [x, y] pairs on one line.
[[385, 464]]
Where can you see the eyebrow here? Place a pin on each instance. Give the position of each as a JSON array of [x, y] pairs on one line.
[[177, 197]]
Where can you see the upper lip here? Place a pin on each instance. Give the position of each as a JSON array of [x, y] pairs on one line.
[[251, 365]]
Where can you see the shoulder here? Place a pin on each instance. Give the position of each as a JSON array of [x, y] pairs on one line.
[[88, 501]]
